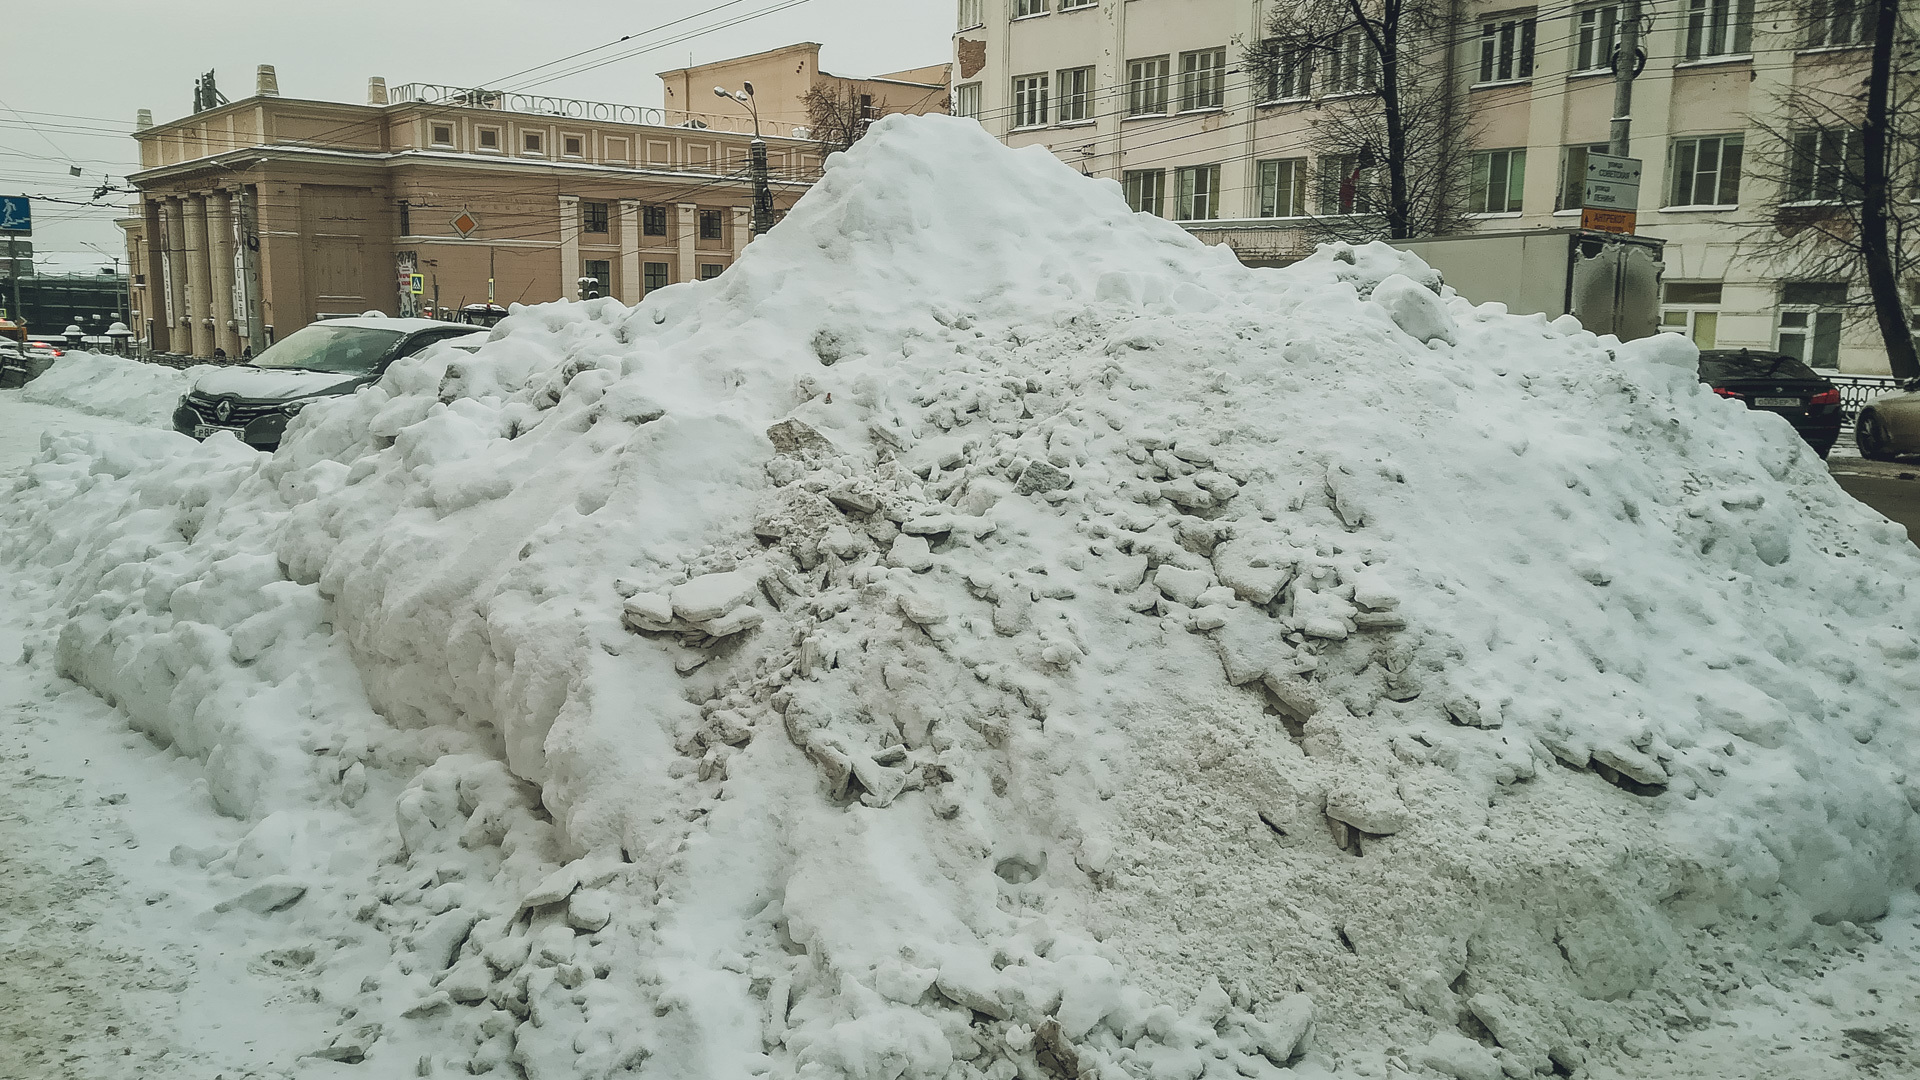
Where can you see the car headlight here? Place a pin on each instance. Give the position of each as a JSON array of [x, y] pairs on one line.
[[292, 408]]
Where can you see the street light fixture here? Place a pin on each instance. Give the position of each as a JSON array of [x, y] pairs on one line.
[[762, 192]]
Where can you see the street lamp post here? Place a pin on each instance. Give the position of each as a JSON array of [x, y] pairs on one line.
[[762, 191]]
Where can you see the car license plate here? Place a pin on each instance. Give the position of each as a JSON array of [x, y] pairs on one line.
[[1777, 402], [201, 431]]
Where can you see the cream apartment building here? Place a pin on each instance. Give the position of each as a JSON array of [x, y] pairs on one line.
[[1155, 94]]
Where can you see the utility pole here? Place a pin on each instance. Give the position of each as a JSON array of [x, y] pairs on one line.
[[1626, 66], [13, 272], [250, 270], [757, 160], [1875, 143]]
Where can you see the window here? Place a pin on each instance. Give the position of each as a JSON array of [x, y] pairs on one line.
[[443, 134], [601, 271], [653, 220], [655, 275], [1719, 28], [1353, 66], [1287, 73], [1506, 50], [1283, 188], [713, 225], [572, 145], [1498, 177], [1573, 175], [1594, 36], [1198, 196], [1344, 184], [1203, 79], [1836, 22], [1024, 8], [966, 101], [1069, 5], [489, 138], [531, 141], [972, 13], [867, 111], [709, 271], [593, 217], [406, 220], [1147, 86], [1706, 171], [1825, 166], [1811, 314], [1693, 309], [1146, 190], [1030, 101], [1076, 94]]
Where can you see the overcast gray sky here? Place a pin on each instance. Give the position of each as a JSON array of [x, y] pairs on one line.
[[76, 74]]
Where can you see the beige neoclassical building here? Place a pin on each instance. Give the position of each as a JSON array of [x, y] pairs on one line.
[[257, 217]]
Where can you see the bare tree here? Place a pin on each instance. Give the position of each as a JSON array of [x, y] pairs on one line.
[[838, 115], [1832, 214], [1387, 105]]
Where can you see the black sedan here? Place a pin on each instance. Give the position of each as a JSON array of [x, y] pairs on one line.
[[325, 359], [1776, 383]]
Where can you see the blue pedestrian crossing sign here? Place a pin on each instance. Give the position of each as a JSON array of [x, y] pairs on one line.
[[16, 214]]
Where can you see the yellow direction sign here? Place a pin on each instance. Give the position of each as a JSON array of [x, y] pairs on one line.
[[1614, 221]]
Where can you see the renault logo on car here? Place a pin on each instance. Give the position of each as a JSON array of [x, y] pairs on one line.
[[223, 409]]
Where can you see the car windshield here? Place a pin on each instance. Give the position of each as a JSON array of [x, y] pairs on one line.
[[1717, 367], [343, 350]]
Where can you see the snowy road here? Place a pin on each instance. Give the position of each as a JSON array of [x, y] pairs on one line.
[[107, 965]]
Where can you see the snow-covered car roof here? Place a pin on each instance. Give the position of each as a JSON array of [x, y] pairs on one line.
[[404, 326]]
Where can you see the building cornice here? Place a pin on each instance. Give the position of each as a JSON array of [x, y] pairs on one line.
[[251, 157]]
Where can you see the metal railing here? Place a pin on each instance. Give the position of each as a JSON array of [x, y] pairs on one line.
[[467, 97], [1857, 390]]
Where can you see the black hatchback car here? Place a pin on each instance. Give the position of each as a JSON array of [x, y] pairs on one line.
[[321, 360], [1777, 383]]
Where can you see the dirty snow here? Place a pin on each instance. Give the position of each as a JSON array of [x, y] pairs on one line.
[[988, 633]]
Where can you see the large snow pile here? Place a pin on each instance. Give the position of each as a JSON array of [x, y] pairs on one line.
[[114, 386], [989, 632]]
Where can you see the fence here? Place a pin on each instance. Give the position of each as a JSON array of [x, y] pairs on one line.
[[1857, 390]]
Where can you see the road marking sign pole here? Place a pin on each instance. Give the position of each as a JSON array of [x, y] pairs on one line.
[[16, 220]]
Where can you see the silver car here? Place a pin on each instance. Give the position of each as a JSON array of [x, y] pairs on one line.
[[1889, 427]]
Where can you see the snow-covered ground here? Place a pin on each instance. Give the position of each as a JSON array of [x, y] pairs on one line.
[[113, 387], [987, 633]]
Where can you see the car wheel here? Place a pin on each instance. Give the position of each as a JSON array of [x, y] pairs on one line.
[[1871, 436]]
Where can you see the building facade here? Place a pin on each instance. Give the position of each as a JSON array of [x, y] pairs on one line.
[[49, 303], [292, 210], [783, 78], [1157, 94]]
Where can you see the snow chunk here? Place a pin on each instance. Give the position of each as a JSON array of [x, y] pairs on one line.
[[1416, 309], [710, 596]]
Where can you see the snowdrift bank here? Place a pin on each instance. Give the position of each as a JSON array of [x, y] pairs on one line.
[[113, 386], [988, 632]]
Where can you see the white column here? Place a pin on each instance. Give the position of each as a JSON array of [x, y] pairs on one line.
[[199, 283], [570, 246], [686, 231], [220, 249], [179, 317], [629, 251]]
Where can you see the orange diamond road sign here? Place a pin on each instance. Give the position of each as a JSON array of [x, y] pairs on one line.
[[465, 224], [1616, 221]]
